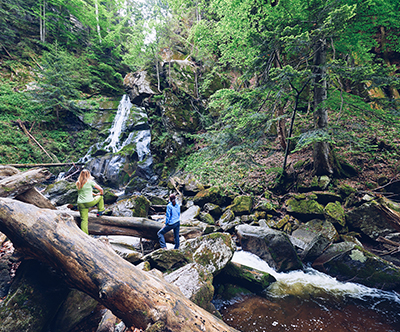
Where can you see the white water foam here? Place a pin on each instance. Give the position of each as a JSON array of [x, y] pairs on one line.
[[310, 282]]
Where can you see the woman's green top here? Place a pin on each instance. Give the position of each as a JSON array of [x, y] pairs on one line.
[[85, 194]]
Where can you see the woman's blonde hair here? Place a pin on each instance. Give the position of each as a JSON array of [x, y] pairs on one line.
[[83, 178]]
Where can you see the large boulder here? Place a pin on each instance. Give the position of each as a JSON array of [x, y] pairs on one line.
[[347, 261], [213, 251], [140, 85], [195, 282], [136, 206], [305, 207], [306, 233], [270, 245], [61, 192], [242, 205], [372, 219], [191, 185], [211, 195], [244, 276], [190, 214], [167, 260]]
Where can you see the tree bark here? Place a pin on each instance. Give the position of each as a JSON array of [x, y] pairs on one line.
[[138, 298], [321, 153], [33, 196], [19, 183]]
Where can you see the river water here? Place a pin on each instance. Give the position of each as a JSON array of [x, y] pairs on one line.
[[310, 301]]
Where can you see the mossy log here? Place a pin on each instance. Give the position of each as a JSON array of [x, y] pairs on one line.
[[131, 226], [19, 183], [138, 298]]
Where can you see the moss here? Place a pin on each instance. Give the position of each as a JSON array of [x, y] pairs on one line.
[[334, 213]]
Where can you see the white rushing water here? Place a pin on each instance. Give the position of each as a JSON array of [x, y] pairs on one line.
[[113, 142], [118, 125], [310, 282]]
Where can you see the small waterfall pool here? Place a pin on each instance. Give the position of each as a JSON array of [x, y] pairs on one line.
[[310, 301]]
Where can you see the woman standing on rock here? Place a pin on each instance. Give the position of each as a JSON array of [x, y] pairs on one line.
[[172, 221], [85, 185]]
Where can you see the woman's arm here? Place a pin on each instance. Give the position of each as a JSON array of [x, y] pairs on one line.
[[99, 189]]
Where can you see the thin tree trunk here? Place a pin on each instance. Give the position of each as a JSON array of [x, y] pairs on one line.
[[138, 298], [97, 19], [321, 153]]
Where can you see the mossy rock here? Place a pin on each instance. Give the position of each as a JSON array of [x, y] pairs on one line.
[[345, 190], [213, 209], [136, 206], [211, 195], [335, 214], [363, 267], [109, 197], [207, 218], [247, 277], [226, 217], [34, 297], [167, 260], [62, 192], [242, 205], [305, 209]]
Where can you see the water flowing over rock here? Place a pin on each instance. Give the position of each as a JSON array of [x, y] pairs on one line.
[[125, 153], [270, 245]]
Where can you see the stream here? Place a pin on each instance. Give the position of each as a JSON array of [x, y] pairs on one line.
[[310, 301]]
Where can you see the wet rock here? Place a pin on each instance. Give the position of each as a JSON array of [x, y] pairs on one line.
[[109, 197], [195, 282], [305, 233], [346, 261], [136, 206], [135, 185], [304, 207], [270, 245], [213, 251], [244, 276], [370, 219], [61, 192], [315, 248], [230, 227], [241, 205]]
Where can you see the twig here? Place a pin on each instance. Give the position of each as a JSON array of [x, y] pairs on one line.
[[6, 51], [30, 135]]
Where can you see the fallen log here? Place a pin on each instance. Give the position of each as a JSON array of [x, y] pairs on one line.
[[140, 299], [43, 165], [131, 226], [18, 183], [33, 196]]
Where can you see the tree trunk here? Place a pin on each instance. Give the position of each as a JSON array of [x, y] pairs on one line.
[[21, 182], [131, 226], [138, 298], [33, 196], [321, 155]]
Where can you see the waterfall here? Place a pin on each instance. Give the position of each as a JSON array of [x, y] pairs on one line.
[[114, 144]]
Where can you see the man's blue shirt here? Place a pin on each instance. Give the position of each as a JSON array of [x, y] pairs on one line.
[[173, 214]]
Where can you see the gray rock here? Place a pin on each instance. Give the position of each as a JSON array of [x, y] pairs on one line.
[[270, 245], [191, 213], [61, 192]]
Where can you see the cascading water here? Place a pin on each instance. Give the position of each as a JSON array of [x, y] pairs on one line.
[[310, 301], [129, 129]]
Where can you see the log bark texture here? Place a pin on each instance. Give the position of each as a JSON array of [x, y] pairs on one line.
[[131, 226], [33, 196], [138, 298], [18, 183]]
